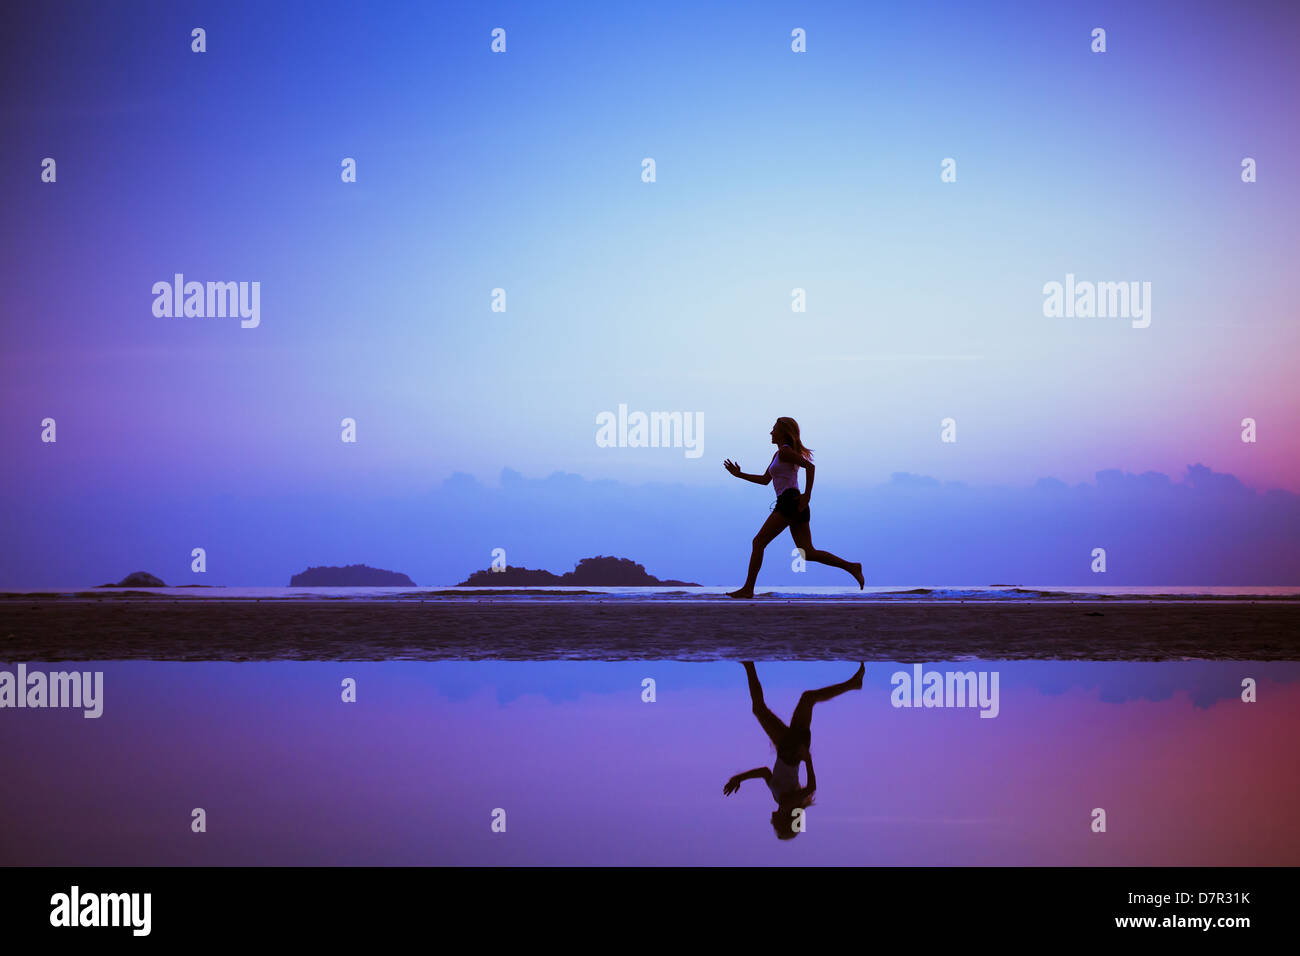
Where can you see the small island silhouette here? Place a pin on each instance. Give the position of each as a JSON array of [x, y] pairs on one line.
[[352, 576], [137, 579], [600, 571]]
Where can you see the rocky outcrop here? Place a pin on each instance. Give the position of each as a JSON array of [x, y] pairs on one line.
[[352, 576], [600, 571], [138, 579]]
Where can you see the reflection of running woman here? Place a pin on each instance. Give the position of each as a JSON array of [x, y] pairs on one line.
[[792, 745], [791, 507]]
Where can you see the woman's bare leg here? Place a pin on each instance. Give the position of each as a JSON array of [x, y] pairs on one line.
[[772, 726], [802, 718], [802, 535], [772, 527]]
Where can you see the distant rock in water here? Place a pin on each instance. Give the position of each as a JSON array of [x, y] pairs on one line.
[[353, 576], [604, 571], [137, 580], [597, 572], [511, 577]]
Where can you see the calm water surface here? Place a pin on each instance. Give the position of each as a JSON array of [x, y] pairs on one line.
[[587, 772]]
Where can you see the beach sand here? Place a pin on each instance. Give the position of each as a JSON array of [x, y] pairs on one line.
[[236, 630]]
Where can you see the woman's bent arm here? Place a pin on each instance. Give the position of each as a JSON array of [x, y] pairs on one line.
[[733, 468]]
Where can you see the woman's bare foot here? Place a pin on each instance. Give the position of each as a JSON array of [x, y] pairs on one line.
[[856, 680], [742, 593], [855, 569]]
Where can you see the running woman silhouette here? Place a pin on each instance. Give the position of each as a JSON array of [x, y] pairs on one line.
[[791, 509], [793, 745]]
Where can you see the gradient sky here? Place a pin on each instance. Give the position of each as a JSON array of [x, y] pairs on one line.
[[522, 171]]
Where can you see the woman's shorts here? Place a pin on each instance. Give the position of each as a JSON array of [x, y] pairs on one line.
[[787, 503], [792, 745]]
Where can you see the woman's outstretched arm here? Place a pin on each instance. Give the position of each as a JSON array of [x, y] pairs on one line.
[[734, 783], [731, 466]]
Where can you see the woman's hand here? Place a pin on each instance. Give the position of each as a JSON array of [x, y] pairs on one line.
[[731, 466], [732, 786], [803, 501]]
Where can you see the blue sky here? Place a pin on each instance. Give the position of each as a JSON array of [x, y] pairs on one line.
[[522, 171]]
